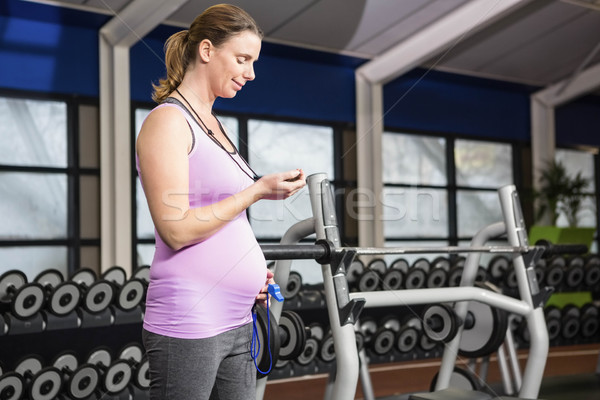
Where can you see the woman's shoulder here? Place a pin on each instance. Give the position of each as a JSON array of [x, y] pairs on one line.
[[166, 122]]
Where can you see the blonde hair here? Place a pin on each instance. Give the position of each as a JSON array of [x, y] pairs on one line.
[[217, 24]]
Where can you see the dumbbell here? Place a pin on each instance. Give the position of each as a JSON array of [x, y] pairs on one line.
[[293, 286], [405, 338], [41, 383], [408, 336], [455, 274], [555, 272], [423, 342], [395, 276], [589, 320], [574, 273], [62, 297], [570, 321], [371, 277], [143, 273], [129, 293], [382, 340], [115, 376], [327, 348], [134, 355], [97, 294], [591, 278], [510, 278], [416, 276], [353, 272], [23, 299], [311, 347], [553, 322], [498, 267], [79, 381], [12, 386], [437, 276]]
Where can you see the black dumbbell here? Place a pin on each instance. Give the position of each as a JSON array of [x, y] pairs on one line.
[[498, 266], [79, 381], [327, 348], [12, 386], [407, 338], [98, 294], [555, 272], [353, 272], [41, 383], [24, 300], [115, 376], [570, 321], [437, 276], [553, 322], [293, 286], [574, 273], [311, 347], [372, 276], [134, 355], [416, 276], [62, 297], [142, 272], [128, 293], [591, 278], [383, 339], [589, 321], [395, 276], [455, 274], [393, 279]]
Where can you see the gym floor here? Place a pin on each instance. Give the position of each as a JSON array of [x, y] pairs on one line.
[[569, 387]]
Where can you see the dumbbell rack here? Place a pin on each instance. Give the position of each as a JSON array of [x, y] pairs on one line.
[[344, 307], [109, 323]]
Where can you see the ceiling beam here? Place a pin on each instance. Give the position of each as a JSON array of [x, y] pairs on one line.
[[137, 19], [437, 37], [564, 91]]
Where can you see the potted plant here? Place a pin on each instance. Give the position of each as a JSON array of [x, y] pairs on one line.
[[558, 192]]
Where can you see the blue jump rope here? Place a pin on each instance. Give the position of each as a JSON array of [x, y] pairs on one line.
[[274, 291]]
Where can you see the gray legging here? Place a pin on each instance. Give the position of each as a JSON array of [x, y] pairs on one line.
[[215, 368]]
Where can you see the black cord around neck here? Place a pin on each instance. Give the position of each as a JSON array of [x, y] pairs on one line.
[[211, 135]]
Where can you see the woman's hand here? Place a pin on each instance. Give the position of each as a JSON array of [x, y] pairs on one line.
[[262, 295], [281, 185]]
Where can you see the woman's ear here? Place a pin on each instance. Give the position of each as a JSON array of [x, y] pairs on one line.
[[205, 50]]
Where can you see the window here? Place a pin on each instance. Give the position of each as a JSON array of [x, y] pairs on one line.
[[577, 161], [281, 146], [415, 194], [481, 169], [34, 185], [426, 204]]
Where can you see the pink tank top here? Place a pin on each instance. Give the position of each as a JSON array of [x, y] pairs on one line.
[[210, 287]]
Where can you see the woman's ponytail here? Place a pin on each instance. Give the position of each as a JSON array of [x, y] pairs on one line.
[[176, 61]]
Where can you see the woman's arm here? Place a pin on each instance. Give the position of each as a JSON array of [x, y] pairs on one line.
[[162, 147]]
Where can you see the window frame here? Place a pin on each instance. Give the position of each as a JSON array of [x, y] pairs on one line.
[[73, 172]]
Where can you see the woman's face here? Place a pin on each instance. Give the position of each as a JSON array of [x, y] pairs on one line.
[[232, 64]]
